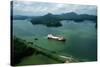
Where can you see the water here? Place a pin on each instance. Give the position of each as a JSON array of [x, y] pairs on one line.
[[81, 37]]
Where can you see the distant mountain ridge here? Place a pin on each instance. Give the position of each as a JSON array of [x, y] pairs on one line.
[[73, 16], [51, 20]]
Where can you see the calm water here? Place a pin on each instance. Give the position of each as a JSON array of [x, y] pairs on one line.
[[81, 37]]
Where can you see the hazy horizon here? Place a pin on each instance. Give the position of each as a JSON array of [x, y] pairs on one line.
[[31, 8]]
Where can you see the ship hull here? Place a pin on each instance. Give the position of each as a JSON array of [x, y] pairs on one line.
[[56, 38]]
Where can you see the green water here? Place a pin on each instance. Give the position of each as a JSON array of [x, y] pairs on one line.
[[81, 38]]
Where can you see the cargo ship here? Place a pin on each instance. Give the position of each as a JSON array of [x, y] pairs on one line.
[[59, 38]]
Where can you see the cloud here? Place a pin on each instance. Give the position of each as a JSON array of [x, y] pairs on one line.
[[41, 8]]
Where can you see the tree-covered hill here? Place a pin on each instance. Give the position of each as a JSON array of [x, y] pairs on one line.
[[51, 20]]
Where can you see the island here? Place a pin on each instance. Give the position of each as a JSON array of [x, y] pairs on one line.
[[51, 20]]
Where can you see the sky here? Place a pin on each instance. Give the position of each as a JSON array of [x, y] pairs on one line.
[[31, 8]]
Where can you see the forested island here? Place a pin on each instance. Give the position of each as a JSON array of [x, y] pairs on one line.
[[52, 20]]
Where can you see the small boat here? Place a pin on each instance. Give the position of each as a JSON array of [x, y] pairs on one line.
[[50, 36]]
